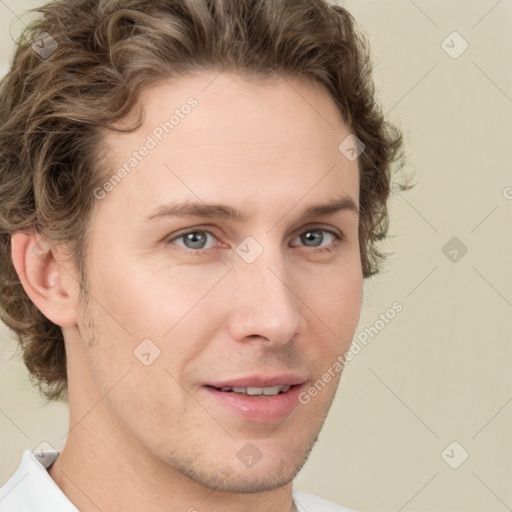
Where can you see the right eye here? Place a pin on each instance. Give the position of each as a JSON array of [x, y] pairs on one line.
[[193, 240]]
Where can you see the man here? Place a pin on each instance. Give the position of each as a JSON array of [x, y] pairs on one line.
[[191, 194]]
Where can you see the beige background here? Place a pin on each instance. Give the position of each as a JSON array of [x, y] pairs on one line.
[[439, 372]]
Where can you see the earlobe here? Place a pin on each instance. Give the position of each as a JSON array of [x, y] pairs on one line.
[[43, 277]]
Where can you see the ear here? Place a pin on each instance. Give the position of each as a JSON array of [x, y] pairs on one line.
[[46, 277]]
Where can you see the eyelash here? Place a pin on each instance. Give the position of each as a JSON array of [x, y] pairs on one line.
[[322, 249]]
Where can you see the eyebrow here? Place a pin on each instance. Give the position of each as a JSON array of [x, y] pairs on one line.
[[224, 212]]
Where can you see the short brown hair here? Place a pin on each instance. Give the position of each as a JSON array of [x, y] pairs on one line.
[[53, 109]]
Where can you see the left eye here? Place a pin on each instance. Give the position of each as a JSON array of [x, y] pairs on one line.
[[197, 240], [316, 236]]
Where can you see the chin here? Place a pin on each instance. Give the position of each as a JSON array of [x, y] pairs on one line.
[[246, 480], [272, 471]]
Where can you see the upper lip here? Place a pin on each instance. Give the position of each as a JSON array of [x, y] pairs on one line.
[[260, 381]]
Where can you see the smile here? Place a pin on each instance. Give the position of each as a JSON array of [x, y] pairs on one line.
[[255, 404], [252, 391]]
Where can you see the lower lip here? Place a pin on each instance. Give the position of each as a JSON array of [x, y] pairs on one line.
[[261, 408]]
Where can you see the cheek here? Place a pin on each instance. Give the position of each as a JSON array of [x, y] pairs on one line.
[[337, 306], [347, 298], [145, 317], [142, 304]]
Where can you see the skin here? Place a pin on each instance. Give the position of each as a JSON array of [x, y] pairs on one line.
[[150, 437]]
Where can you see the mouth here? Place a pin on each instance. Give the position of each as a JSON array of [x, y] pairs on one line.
[[259, 402], [255, 391]]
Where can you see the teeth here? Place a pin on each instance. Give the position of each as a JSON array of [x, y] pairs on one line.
[[251, 391], [255, 391], [275, 390]]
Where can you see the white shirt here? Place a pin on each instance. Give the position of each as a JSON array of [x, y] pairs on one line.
[[32, 489]]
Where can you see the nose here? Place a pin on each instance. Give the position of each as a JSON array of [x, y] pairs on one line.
[[265, 306]]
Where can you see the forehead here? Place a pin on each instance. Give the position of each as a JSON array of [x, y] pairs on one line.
[[243, 141]]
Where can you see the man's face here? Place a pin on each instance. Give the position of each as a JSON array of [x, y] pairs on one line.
[[270, 300]]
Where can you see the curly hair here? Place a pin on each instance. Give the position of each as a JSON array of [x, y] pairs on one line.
[[55, 107]]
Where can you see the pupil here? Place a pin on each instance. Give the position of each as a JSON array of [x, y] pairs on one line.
[[314, 236], [195, 238]]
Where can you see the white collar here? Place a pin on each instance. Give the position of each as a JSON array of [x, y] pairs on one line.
[[32, 488]]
